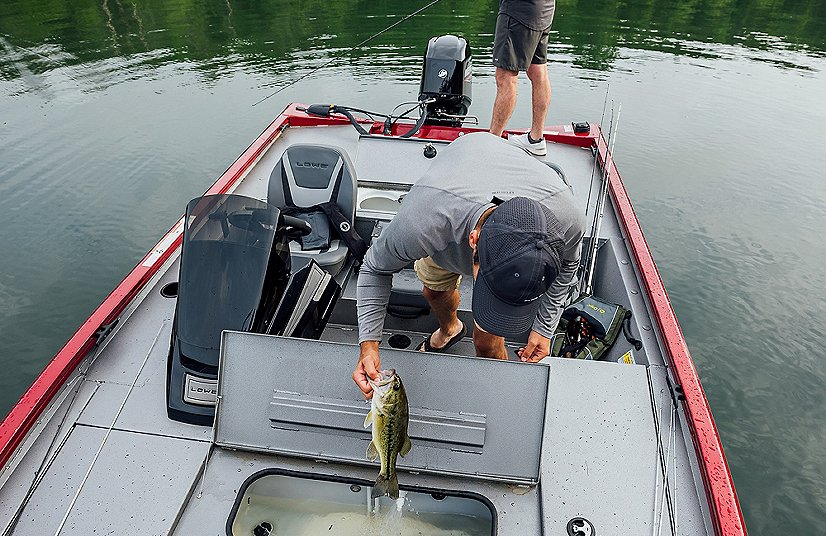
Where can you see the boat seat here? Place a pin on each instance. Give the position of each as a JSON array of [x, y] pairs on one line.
[[307, 175]]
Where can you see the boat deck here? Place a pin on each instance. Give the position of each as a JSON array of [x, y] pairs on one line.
[[615, 448]]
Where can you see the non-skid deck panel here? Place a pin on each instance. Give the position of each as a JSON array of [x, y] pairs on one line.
[[144, 412], [600, 456], [137, 485], [57, 422], [446, 393]]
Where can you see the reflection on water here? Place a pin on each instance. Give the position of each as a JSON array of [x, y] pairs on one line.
[[114, 114], [266, 37]]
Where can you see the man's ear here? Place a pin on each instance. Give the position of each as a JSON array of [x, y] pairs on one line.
[[473, 238]]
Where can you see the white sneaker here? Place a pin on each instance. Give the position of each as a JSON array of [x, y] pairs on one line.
[[539, 148]]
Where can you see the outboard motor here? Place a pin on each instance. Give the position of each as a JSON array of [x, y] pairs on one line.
[[235, 267], [447, 75]]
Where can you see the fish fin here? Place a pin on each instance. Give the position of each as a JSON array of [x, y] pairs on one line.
[[406, 446], [386, 486], [368, 421], [372, 452]]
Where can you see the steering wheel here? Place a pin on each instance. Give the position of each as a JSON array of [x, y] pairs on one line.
[[245, 220], [296, 227]]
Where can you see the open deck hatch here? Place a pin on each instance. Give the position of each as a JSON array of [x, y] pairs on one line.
[[469, 417], [285, 502]]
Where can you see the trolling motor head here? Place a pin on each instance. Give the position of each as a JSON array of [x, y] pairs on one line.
[[447, 75]]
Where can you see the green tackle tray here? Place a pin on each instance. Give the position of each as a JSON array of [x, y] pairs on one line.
[[469, 417]]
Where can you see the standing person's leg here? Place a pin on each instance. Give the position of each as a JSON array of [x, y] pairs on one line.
[[517, 48], [505, 99], [489, 345], [509, 59], [540, 86], [445, 304], [441, 290], [540, 97]]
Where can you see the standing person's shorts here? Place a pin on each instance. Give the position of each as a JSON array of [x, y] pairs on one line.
[[434, 276], [516, 47]]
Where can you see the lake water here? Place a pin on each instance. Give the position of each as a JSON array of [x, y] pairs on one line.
[[114, 113]]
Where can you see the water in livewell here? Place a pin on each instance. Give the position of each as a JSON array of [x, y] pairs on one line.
[[295, 517]]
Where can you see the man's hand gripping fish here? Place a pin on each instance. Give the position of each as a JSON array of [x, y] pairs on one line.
[[388, 416]]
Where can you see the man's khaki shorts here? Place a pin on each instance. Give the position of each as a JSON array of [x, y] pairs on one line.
[[435, 277]]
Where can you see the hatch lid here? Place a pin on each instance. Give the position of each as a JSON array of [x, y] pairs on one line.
[[471, 417]]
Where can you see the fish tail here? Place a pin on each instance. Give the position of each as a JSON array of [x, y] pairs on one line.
[[386, 486]]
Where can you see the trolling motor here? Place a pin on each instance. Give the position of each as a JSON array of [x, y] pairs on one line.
[[444, 91], [447, 75]]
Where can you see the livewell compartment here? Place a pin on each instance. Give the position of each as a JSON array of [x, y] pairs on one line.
[[301, 505]]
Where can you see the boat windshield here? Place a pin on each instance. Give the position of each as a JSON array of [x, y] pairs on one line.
[[225, 269]]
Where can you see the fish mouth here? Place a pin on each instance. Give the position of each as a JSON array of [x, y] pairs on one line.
[[385, 377]]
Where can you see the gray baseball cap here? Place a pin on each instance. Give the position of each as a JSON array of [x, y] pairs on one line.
[[519, 250]]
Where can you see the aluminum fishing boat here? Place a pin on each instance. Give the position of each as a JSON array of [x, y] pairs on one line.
[[211, 391]]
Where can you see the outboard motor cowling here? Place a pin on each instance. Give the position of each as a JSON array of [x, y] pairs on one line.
[[447, 75]]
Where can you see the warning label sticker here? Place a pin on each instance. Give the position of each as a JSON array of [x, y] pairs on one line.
[[627, 358]]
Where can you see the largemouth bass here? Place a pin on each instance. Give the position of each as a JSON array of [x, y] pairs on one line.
[[388, 416]]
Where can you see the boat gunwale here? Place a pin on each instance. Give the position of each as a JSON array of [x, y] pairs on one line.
[[727, 517]]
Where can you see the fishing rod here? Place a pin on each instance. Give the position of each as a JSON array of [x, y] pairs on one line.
[[586, 259], [596, 152], [354, 47], [600, 207]]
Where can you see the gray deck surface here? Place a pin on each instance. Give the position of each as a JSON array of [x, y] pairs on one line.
[[602, 457]]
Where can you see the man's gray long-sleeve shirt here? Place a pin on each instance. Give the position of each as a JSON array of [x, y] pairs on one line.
[[443, 207]]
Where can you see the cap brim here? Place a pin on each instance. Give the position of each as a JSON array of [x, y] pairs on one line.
[[500, 318]]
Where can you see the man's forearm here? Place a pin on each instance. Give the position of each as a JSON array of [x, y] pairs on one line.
[[554, 301], [372, 295]]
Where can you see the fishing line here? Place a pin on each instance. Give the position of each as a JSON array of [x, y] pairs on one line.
[[352, 48]]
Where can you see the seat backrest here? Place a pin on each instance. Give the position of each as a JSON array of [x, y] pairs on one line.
[[307, 175]]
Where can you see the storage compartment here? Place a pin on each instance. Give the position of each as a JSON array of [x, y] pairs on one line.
[[295, 397], [276, 502], [384, 202]]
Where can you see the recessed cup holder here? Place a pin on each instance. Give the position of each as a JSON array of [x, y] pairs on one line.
[[399, 341], [170, 290]]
